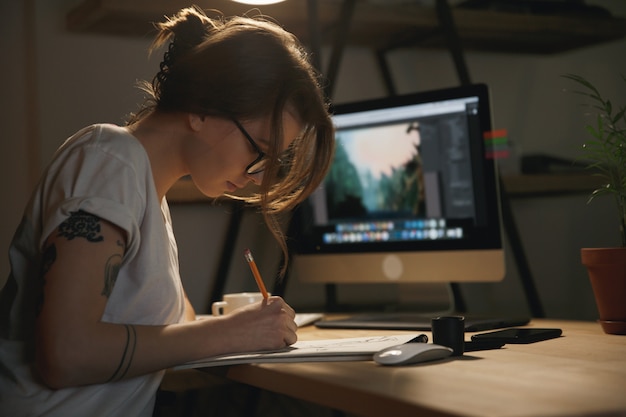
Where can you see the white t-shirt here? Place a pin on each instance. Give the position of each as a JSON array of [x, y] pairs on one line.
[[105, 171]]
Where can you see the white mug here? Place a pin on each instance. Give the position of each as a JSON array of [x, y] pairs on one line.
[[235, 300]]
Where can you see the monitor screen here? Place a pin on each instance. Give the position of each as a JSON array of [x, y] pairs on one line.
[[412, 194]]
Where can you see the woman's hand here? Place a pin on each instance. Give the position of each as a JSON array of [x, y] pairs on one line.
[[262, 326]]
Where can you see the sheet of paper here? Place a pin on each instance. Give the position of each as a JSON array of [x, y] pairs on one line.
[[304, 319], [301, 319], [347, 349]]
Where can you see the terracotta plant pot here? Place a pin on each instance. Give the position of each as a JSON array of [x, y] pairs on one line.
[[607, 273]]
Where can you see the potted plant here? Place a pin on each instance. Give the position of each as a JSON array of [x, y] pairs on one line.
[[605, 153]]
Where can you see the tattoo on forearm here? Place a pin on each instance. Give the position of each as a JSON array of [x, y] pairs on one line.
[[81, 224], [127, 356]]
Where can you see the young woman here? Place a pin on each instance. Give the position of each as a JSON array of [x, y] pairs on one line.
[[94, 309]]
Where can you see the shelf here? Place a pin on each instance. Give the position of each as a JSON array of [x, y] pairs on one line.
[[549, 184], [374, 24]]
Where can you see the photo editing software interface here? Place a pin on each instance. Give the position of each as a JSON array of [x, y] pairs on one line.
[[409, 174], [416, 185]]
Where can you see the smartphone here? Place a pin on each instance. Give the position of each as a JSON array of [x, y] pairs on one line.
[[518, 335], [474, 345]]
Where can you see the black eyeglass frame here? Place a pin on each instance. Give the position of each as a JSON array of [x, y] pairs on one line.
[[262, 155]]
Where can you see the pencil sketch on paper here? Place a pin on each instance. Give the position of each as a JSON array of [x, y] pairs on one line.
[[352, 344], [347, 349]]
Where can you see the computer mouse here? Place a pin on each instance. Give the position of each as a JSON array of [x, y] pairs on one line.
[[409, 353]]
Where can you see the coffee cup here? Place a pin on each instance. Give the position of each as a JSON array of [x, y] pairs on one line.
[[233, 301]]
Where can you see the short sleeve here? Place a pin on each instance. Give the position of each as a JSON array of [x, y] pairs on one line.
[[107, 181]]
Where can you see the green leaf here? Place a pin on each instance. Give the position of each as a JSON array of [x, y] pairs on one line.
[[605, 149]]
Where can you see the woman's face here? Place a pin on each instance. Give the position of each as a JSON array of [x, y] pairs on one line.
[[219, 152]]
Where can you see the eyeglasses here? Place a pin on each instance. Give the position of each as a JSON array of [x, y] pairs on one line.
[[258, 165]]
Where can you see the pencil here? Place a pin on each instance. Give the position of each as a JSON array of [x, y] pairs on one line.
[[255, 272]]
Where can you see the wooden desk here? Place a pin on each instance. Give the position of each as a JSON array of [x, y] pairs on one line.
[[581, 373]]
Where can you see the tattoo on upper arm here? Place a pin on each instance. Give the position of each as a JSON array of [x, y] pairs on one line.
[[86, 225], [127, 356], [111, 269], [81, 224]]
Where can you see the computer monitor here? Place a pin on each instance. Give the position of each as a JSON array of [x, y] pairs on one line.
[[412, 195]]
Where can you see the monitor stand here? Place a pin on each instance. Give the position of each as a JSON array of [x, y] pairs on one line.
[[399, 320], [450, 300]]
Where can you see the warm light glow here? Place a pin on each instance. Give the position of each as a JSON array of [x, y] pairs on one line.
[[258, 2]]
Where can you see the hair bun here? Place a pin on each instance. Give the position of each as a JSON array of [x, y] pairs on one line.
[[189, 27], [186, 29]]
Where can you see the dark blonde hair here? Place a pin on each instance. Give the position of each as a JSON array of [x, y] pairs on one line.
[[245, 68]]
